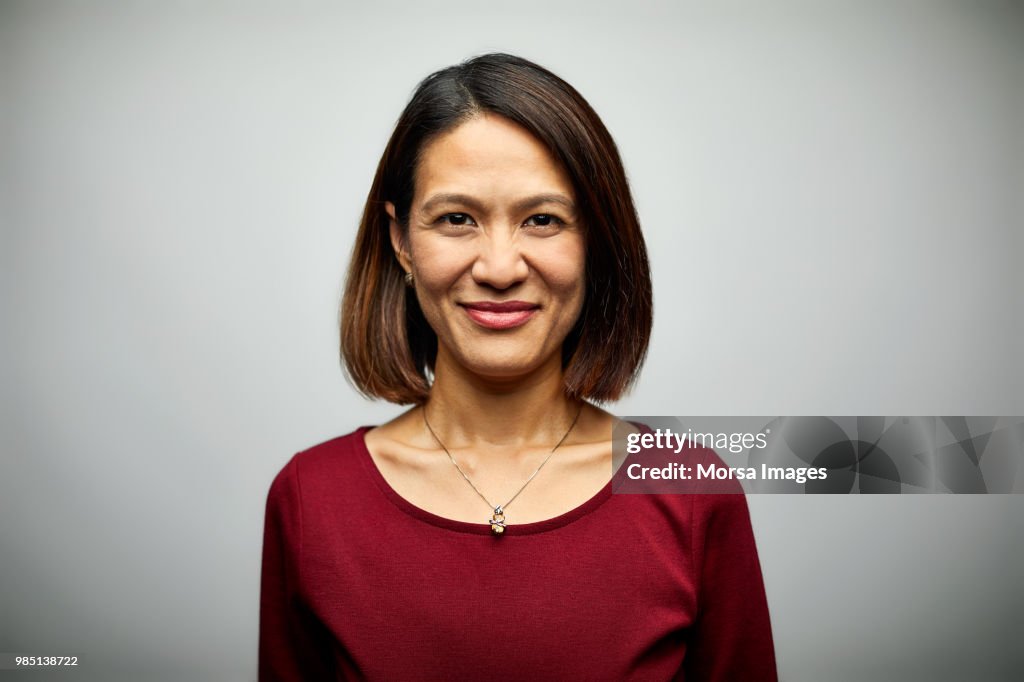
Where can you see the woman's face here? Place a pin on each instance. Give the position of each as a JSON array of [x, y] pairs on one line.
[[495, 247]]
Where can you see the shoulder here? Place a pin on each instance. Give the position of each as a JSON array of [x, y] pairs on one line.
[[333, 452], [331, 461]]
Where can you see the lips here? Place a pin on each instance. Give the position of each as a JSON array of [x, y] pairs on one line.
[[500, 314]]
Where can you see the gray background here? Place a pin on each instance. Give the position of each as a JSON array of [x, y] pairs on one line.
[[833, 196]]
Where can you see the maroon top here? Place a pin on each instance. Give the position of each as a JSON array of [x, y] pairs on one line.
[[358, 583]]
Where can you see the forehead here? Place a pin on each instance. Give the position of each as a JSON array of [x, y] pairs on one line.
[[492, 157]]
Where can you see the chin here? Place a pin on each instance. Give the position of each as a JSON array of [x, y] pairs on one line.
[[494, 370], [501, 368], [500, 357]]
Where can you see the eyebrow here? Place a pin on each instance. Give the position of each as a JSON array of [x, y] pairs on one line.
[[525, 204]]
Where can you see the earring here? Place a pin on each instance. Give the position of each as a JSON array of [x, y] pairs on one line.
[[408, 279]]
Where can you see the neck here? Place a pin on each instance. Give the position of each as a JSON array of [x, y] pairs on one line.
[[467, 410]]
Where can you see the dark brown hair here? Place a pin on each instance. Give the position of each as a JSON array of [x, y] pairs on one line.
[[387, 346]]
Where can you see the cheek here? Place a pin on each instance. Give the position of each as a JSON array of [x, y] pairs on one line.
[[565, 273], [437, 268], [567, 263], [432, 279]]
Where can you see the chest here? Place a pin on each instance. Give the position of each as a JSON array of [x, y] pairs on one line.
[[419, 602]]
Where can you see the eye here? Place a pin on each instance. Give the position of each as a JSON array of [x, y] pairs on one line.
[[458, 219], [544, 220]]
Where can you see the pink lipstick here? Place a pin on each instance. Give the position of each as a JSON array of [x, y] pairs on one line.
[[500, 315]]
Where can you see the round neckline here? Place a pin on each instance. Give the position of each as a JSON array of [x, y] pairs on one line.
[[513, 530]]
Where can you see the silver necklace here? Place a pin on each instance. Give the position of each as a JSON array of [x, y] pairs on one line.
[[497, 520]]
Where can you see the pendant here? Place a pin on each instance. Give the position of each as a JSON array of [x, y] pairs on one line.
[[497, 521]]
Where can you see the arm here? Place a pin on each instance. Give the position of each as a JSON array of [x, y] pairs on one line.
[[732, 637], [293, 644]]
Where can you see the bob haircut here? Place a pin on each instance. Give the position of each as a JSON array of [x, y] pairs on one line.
[[387, 346]]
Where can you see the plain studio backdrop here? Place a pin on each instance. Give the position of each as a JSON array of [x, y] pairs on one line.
[[832, 195]]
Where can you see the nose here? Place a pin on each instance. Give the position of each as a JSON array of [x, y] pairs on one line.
[[499, 262]]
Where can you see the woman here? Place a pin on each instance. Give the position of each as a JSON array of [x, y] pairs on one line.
[[499, 284]]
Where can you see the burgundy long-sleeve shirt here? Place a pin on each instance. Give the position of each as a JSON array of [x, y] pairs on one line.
[[358, 583]]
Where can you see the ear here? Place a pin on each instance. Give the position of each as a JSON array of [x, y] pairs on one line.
[[398, 242]]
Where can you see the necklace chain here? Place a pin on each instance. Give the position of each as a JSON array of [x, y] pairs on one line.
[[498, 520]]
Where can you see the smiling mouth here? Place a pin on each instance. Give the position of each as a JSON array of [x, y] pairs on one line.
[[500, 315]]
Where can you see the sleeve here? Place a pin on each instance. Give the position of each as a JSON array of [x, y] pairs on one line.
[[732, 636], [293, 643]]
